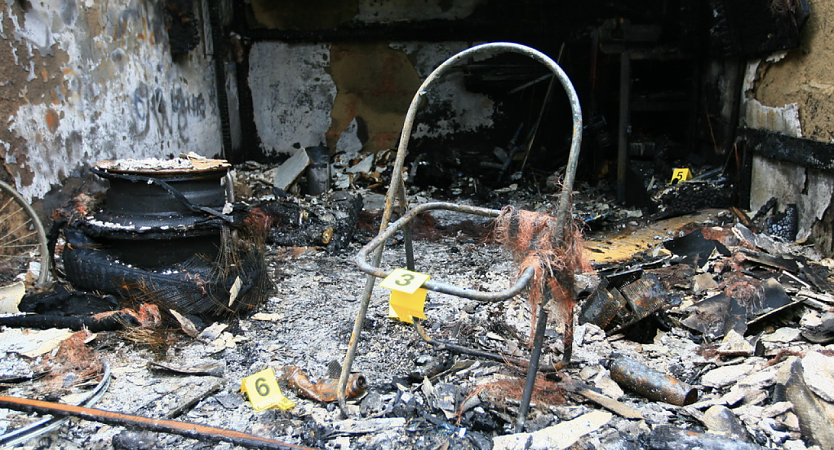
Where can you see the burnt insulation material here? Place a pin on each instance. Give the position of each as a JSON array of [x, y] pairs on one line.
[[67, 303], [194, 286], [116, 321]]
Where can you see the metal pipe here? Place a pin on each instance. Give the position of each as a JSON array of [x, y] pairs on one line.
[[444, 345], [650, 383], [189, 430], [409, 245], [357, 330]]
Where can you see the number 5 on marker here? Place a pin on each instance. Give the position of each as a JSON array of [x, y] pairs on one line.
[[408, 298], [263, 391]]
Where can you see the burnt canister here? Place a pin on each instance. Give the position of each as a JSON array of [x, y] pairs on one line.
[[160, 212]]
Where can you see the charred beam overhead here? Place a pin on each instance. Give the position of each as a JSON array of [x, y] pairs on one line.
[[754, 27], [425, 31], [784, 148]]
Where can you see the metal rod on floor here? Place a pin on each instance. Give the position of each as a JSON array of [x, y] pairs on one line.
[[443, 345], [189, 430]]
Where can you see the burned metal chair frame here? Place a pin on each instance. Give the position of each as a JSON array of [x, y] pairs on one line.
[[396, 190]]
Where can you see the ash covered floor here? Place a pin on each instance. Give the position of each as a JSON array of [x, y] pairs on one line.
[[757, 388]]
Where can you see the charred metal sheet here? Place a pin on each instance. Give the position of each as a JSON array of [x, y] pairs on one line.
[[650, 383], [815, 273], [777, 262], [644, 296], [717, 315], [774, 301], [695, 249]]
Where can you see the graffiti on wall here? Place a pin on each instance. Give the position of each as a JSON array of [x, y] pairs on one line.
[[167, 113]]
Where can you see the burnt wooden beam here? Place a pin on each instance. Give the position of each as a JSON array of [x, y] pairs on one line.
[[784, 148]]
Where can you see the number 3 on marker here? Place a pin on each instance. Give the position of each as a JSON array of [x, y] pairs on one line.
[[405, 279]]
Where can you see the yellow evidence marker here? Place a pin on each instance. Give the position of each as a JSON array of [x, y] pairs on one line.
[[679, 175], [408, 298], [263, 391]]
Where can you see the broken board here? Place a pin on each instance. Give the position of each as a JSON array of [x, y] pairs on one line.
[[623, 247]]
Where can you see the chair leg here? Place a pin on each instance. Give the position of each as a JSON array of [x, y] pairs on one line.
[[535, 355]]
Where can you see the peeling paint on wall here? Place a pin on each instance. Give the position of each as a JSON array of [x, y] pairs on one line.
[[292, 94], [803, 82], [349, 142], [462, 111], [99, 83], [375, 84], [783, 119], [309, 93]]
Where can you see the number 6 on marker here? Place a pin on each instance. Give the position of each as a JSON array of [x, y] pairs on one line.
[[263, 391]]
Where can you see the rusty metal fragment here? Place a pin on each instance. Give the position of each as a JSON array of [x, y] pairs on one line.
[[650, 383], [695, 248], [601, 307], [323, 390], [644, 296]]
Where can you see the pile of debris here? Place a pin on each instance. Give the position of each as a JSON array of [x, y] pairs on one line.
[[692, 331]]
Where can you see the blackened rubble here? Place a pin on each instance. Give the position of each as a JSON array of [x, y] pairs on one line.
[[761, 373]]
